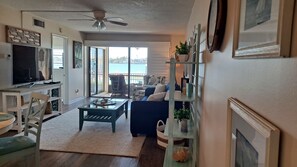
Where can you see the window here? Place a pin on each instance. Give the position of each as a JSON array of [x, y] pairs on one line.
[[58, 58]]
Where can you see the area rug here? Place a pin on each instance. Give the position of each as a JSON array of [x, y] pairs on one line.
[[62, 134]]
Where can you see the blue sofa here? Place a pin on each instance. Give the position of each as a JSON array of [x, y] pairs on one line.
[[145, 114]]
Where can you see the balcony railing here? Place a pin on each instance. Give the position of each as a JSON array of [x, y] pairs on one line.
[[136, 79]]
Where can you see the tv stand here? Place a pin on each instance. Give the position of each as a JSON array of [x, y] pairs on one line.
[[31, 85], [14, 100]]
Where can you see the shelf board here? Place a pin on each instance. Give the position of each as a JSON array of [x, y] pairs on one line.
[[176, 130], [54, 98], [178, 96], [169, 162], [187, 62]]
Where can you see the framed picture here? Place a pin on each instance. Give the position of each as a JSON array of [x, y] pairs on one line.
[[263, 28], [77, 54], [253, 141]]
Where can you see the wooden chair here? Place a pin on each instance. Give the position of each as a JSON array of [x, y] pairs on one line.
[[18, 147]]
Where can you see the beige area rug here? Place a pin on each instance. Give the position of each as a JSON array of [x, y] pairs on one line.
[[62, 134]]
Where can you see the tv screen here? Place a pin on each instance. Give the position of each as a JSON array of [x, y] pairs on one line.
[[31, 64]]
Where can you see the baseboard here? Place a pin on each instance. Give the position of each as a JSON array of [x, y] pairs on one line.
[[76, 100]]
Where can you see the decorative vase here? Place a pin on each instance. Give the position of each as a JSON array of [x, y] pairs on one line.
[[189, 88], [183, 125]]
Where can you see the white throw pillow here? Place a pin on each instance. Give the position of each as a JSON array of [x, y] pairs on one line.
[[160, 88], [157, 96]]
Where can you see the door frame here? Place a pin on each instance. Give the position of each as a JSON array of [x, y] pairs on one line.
[[65, 81]]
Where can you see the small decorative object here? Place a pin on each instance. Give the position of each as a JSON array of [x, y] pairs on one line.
[[183, 115], [181, 154], [253, 141], [189, 88], [77, 54], [104, 102], [182, 52], [216, 24], [263, 28]]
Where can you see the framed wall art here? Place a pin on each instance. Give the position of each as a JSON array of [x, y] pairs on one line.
[[22, 36], [263, 28], [77, 54], [253, 141]]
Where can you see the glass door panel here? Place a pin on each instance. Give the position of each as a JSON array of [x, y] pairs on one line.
[[138, 65], [100, 69], [96, 70], [93, 71], [118, 66]]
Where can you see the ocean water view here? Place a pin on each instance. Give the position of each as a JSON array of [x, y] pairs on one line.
[[123, 68]]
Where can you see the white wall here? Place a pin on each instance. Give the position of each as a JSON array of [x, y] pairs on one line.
[[12, 17], [268, 86]]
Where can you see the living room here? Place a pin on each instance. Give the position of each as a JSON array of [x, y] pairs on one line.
[[265, 85]]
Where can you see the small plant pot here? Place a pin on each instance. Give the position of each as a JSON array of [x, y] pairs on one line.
[[181, 57], [184, 125]]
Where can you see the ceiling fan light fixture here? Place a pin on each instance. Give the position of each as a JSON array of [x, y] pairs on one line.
[[100, 25], [96, 24]]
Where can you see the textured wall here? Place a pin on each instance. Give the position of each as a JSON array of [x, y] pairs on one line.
[[266, 85]]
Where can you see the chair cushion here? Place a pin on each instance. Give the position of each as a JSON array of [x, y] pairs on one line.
[[15, 143]]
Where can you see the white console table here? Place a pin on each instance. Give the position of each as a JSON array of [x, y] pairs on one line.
[[14, 100]]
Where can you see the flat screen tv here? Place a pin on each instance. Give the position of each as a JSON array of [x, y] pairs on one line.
[[31, 64]]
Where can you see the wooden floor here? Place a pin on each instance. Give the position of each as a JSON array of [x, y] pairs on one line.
[[150, 156]]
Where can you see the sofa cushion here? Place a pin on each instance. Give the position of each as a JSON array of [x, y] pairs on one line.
[[157, 96], [160, 88], [144, 98]]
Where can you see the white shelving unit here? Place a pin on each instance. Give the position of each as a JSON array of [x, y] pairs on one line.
[[172, 128], [14, 100]]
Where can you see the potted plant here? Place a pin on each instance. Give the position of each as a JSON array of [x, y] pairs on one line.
[[183, 115], [182, 51]]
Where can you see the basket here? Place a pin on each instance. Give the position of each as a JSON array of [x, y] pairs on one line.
[[162, 140]]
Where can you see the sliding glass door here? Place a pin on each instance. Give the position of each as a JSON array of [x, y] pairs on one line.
[[96, 72], [130, 62]]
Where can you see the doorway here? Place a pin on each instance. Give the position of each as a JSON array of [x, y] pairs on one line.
[[59, 49]]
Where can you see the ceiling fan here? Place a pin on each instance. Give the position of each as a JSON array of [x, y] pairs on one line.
[[100, 20]]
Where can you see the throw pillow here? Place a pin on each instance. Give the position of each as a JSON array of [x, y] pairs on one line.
[[157, 96], [152, 80], [160, 88]]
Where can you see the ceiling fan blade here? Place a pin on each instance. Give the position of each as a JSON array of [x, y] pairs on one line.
[[89, 17], [118, 23], [80, 19], [114, 19]]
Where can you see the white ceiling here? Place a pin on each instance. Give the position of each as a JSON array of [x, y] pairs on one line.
[[142, 16]]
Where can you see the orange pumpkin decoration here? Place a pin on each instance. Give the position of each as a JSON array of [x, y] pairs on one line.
[[181, 154]]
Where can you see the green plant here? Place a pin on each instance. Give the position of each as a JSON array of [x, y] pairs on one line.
[[182, 113], [183, 48]]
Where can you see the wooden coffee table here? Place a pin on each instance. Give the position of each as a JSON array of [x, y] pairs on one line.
[[109, 112]]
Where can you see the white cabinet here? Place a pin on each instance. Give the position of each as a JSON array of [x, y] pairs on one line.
[[14, 100], [172, 129]]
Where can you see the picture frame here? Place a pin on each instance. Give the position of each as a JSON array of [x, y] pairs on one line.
[[252, 141], [22, 36], [217, 15], [263, 28], [77, 54]]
